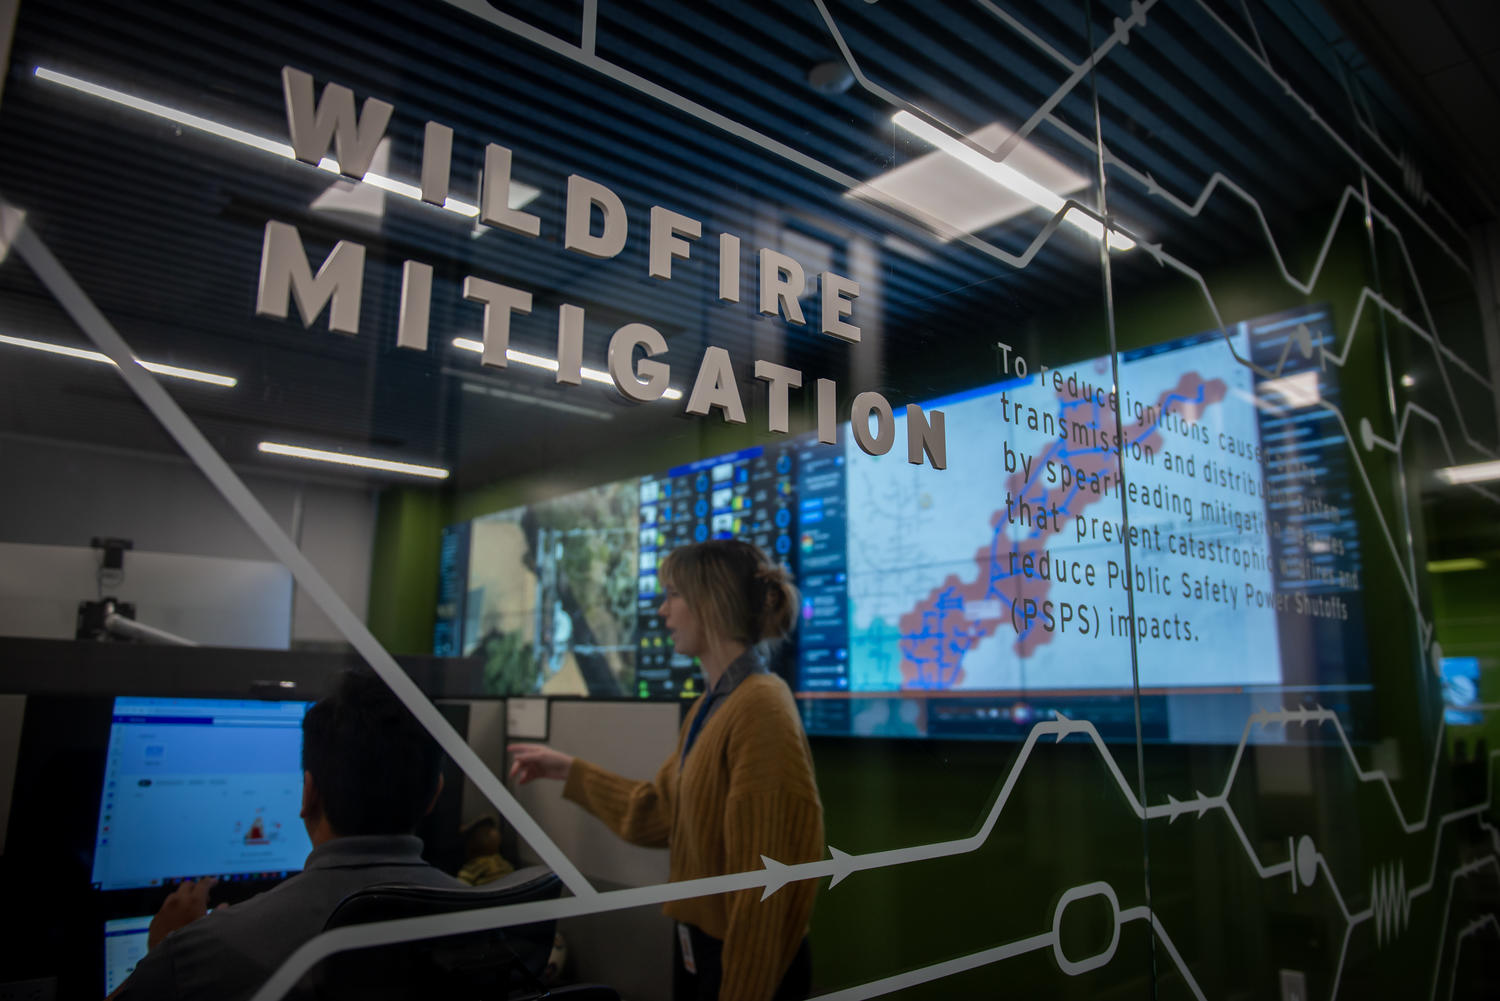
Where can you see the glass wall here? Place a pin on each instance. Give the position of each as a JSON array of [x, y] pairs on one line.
[[1106, 376]]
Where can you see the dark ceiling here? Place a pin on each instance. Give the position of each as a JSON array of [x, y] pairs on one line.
[[162, 225], [1443, 57]]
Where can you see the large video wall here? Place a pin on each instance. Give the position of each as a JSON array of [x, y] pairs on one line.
[[1004, 590]]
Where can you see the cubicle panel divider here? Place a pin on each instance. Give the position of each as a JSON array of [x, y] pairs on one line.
[[631, 950]]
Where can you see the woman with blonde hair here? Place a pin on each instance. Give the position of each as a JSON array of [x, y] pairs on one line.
[[738, 786]]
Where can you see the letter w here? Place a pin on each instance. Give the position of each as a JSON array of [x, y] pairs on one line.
[[333, 117]]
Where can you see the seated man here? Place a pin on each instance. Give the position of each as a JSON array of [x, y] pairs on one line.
[[370, 773]]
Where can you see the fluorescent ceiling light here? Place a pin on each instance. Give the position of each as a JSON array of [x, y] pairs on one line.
[[345, 459], [1255, 401], [176, 372], [1477, 472], [520, 194], [893, 242], [550, 364], [941, 187], [1300, 390], [1454, 566], [479, 389]]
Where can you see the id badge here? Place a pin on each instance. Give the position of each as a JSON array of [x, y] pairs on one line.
[[686, 941]]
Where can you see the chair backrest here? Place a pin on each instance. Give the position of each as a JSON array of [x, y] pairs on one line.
[[486, 965]]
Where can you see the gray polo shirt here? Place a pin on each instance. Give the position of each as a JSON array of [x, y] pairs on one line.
[[229, 954]]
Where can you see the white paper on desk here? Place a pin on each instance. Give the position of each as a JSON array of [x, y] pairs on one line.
[[526, 718]]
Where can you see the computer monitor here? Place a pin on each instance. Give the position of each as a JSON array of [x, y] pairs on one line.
[[70, 743], [1461, 691], [200, 787], [125, 943]]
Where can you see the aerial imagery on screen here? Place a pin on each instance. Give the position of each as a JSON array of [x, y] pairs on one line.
[[550, 598]]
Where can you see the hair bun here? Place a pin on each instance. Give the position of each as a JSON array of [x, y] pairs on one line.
[[770, 573], [778, 606], [735, 589]]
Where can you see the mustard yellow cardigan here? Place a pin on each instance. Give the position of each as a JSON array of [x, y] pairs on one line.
[[747, 790]]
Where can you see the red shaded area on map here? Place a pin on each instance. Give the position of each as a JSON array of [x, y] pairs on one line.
[[939, 630]]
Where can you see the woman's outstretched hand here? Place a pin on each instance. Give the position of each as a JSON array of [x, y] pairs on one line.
[[535, 761]]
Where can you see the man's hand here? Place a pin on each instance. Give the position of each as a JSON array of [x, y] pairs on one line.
[[534, 761], [186, 904]]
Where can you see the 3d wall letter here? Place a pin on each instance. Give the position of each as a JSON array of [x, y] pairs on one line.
[[284, 272], [312, 125], [578, 230], [645, 380]]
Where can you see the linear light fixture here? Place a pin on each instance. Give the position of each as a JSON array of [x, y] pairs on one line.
[[83, 354], [347, 459], [520, 194], [550, 364], [1477, 472], [484, 389], [1455, 566], [1296, 391], [1007, 177]]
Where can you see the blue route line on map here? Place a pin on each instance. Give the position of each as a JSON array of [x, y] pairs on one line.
[[945, 669]]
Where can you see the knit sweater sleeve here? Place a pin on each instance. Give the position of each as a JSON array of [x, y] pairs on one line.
[[773, 810], [639, 812]]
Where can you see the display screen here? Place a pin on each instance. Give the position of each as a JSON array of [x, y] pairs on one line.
[[125, 943], [1461, 691], [200, 787], [970, 602]]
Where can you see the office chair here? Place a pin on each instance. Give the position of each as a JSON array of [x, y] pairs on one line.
[[488, 965]]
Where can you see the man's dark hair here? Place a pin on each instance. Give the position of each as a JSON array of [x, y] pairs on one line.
[[373, 764]]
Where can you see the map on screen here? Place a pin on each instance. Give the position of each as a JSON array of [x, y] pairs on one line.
[[1010, 573]]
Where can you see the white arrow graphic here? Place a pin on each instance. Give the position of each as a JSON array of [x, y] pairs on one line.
[[843, 865], [777, 875]]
